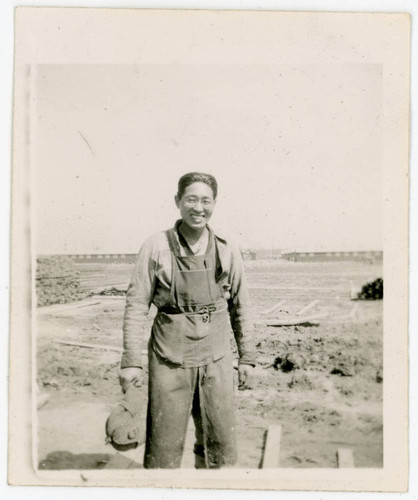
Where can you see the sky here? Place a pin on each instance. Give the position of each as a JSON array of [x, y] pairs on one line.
[[296, 151]]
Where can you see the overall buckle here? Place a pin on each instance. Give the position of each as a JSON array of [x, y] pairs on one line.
[[206, 311]]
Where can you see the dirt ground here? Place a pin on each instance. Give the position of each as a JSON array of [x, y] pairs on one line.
[[322, 383]]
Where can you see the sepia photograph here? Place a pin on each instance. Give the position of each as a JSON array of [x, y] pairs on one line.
[[211, 233], [310, 255]]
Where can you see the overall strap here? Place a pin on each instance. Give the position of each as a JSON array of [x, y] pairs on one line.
[[219, 273], [172, 242], [175, 252], [211, 240], [184, 244]]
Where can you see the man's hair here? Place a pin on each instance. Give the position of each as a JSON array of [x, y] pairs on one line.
[[192, 177]]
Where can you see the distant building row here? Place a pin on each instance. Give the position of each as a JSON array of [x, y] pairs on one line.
[[108, 257], [251, 255], [327, 256]]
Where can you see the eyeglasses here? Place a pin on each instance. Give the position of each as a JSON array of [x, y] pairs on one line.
[[192, 201]]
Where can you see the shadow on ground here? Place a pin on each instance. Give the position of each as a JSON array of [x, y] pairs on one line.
[[59, 460]]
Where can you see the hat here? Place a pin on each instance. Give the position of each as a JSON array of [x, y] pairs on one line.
[[124, 427]]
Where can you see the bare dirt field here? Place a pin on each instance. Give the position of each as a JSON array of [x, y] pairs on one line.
[[321, 382]]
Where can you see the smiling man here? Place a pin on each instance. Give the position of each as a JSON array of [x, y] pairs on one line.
[[195, 279]]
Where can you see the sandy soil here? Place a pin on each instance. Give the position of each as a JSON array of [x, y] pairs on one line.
[[322, 384]]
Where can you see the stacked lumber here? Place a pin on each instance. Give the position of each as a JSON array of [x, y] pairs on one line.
[[57, 281]]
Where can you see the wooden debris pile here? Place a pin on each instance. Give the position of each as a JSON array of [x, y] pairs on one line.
[[372, 290], [57, 281], [111, 292]]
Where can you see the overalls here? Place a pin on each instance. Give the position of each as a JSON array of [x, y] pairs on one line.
[[190, 366]]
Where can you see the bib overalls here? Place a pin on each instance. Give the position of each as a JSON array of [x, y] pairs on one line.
[[190, 365]]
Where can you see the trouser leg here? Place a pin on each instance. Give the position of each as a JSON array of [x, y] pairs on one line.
[[217, 416], [170, 397]]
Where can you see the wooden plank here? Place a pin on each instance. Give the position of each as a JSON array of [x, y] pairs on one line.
[[271, 309], [292, 320], [308, 307], [56, 308], [345, 458], [91, 346], [42, 400], [71, 306], [271, 456], [103, 347], [286, 288]]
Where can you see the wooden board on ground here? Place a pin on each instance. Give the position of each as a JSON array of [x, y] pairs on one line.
[[298, 320], [91, 346], [345, 458], [42, 400], [310, 306], [57, 308], [271, 456], [103, 347], [271, 309]]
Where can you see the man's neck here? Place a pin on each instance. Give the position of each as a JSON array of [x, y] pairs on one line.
[[190, 234]]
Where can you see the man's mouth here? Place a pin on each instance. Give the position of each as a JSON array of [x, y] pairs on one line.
[[197, 218]]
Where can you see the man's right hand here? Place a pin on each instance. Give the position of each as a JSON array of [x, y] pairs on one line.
[[131, 375]]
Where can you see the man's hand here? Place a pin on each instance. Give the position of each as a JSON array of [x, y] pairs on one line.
[[130, 375], [245, 377]]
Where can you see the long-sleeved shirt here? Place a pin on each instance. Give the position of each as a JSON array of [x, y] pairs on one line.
[[151, 283]]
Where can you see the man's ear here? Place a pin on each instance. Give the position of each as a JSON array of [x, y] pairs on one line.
[[177, 201]]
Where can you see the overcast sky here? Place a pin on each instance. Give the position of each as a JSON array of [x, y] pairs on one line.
[[296, 151]]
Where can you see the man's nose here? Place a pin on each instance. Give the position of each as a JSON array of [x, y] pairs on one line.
[[198, 206]]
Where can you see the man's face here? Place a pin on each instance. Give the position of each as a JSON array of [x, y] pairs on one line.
[[196, 205]]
